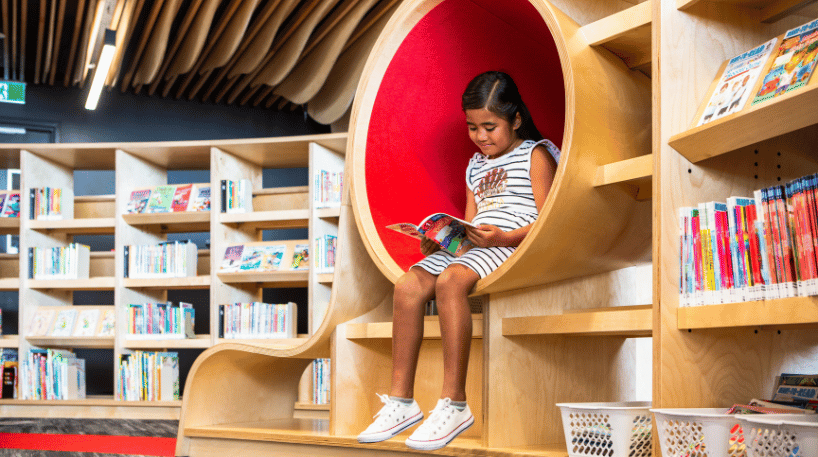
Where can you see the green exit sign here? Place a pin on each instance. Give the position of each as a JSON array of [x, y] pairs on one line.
[[12, 92]]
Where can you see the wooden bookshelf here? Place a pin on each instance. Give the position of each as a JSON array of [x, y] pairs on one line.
[[629, 321], [200, 342], [626, 34], [637, 172], [431, 329], [9, 283], [94, 407], [9, 341], [289, 152], [766, 11], [69, 342], [324, 278], [267, 220], [328, 213], [94, 283], [179, 222], [274, 342], [799, 312], [280, 278], [9, 225], [95, 226], [189, 282], [772, 118]]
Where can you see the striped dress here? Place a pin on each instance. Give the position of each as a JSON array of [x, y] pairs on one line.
[[502, 191]]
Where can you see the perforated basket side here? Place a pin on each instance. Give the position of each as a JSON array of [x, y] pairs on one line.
[[692, 435], [781, 440], [607, 433]]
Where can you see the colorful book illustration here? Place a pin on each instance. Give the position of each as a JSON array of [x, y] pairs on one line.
[[446, 230], [736, 83], [64, 325], [181, 197], [41, 324], [11, 207], [87, 321], [161, 199], [232, 258], [106, 326], [200, 198], [301, 257], [139, 201], [793, 64], [262, 257]]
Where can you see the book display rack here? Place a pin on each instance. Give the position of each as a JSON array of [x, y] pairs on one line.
[[139, 165]]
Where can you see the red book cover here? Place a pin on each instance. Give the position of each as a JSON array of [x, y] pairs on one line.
[[697, 251], [723, 243], [812, 214], [785, 230], [772, 242], [795, 232], [775, 221], [802, 215], [181, 197], [755, 253]]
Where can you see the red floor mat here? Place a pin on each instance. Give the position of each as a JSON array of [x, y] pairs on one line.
[[133, 445]]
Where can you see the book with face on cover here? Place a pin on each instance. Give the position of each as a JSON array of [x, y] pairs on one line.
[[11, 207], [446, 230]]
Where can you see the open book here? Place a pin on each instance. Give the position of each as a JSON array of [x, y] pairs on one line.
[[446, 230]]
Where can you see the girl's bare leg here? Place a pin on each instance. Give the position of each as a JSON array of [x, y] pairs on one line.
[[452, 290], [412, 291]]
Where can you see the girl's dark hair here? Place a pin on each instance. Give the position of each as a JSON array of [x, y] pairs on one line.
[[496, 92]]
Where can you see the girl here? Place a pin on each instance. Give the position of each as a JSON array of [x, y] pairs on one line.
[[507, 182]]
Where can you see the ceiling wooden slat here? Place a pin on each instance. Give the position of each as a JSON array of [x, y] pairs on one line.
[[193, 42], [124, 31], [231, 38], [143, 41], [40, 41], [81, 66], [95, 35], [263, 95], [258, 48], [50, 43], [75, 35], [157, 45], [57, 39], [190, 14]]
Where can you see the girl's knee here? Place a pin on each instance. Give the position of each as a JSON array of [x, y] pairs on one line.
[[456, 279]]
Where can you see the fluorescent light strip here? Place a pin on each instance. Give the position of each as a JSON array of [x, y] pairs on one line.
[[100, 74]]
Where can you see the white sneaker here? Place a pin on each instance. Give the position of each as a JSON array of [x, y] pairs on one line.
[[443, 425], [393, 418]]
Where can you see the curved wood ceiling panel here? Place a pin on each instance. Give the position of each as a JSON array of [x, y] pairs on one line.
[[194, 40]]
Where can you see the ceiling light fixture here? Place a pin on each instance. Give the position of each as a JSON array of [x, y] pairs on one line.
[[106, 58]]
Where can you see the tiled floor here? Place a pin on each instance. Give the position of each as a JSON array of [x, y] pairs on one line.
[[155, 428]]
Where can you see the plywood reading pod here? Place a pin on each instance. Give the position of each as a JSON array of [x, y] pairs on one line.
[[409, 145]]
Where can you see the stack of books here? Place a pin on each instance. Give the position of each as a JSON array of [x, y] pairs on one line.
[[325, 249], [161, 321], [49, 203], [320, 381], [760, 248], [237, 196], [52, 374], [9, 366], [61, 262], [258, 320], [172, 259], [170, 199], [148, 376]]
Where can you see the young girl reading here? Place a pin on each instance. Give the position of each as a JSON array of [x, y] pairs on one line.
[[506, 185]]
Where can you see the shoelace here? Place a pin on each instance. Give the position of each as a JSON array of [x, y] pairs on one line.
[[388, 402], [436, 416]]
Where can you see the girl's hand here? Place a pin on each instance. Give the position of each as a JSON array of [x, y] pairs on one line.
[[485, 236], [428, 247]]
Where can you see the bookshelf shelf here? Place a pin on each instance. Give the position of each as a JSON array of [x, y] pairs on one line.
[[328, 213], [288, 152], [264, 220], [324, 278], [629, 321], [637, 171], [200, 342], [102, 400], [72, 342], [273, 278], [95, 283], [274, 342], [9, 341], [312, 406], [99, 225], [753, 124], [180, 222], [765, 11], [9, 283], [190, 282], [383, 330], [9, 225], [626, 34], [797, 311]]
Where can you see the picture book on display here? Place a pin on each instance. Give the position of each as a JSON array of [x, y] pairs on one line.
[[42, 322], [793, 63], [446, 230], [199, 198], [139, 201], [87, 321], [161, 199], [301, 257], [736, 83], [106, 326], [181, 197], [262, 257], [232, 258], [11, 204]]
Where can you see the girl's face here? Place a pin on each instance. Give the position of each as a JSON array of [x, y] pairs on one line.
[[493, 134]]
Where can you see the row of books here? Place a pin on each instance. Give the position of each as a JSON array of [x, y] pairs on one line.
[[73, 321], [263, 256], [320, 381], [170, 199], [10, 203], [792, 394], [171, 259], [237, 196], [759, 248], [325, 250], [59, 262], [161, 320], [46, 203], [148, 376], [9, 373], [52, 374], [258, 320], [328, 187], [786, 65]]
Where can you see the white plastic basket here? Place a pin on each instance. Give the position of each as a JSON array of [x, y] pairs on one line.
[[703, 432], [774, 436], [607, 429]]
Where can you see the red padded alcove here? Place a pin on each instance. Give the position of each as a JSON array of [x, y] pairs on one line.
[[418, 145]]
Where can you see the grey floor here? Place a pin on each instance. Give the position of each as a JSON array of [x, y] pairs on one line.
[[120, 427]]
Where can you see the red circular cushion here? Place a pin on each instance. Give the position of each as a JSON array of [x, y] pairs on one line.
[[418, 145]]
